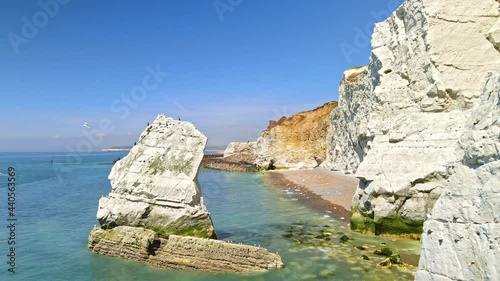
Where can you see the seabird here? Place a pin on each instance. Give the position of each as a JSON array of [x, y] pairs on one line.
[[86, 125]]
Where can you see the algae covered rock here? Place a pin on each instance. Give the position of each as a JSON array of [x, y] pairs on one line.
[[155, 186], [383, 252]]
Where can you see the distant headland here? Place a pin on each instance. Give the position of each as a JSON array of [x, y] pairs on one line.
[[116, 148]]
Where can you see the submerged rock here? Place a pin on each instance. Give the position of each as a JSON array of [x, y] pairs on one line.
[[325, 273], [365, 257], [392, 260], [383, 252], [344, 239], [155, 213]]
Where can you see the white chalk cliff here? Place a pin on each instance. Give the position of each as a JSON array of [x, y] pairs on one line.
[[155, 186], [401, 120], [461, 239]]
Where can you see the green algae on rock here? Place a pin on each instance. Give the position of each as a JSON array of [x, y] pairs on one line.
[[397, 226], [370, 256]]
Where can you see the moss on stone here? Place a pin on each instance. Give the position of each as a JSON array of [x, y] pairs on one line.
[[362, 223], [107, 225], [261, 169], [385, 226], [396, 226], [395, 259], [156, 166], [180, 165], [111, 235], [202, 228], [344, 239], [383, 252]]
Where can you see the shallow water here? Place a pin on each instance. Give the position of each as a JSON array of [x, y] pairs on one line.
[[56, 207]]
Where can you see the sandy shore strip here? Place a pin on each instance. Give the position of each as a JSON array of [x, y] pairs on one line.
[[320, 189]]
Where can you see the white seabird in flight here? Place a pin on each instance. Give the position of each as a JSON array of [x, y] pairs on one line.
[[86, 125]]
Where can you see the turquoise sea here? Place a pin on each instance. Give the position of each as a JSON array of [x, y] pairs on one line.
[[56, 202]]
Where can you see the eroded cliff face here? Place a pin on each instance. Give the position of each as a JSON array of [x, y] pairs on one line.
[[461, 239], [297, 141], [399, 122], [347, 135], [155, 186]]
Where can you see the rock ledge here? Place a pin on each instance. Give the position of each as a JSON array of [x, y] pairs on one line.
[[181, 252]]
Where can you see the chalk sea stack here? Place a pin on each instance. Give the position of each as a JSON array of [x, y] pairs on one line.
[[155, 186], [155, 212]]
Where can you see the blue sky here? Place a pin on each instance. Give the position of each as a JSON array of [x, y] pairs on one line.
[[232, 65]]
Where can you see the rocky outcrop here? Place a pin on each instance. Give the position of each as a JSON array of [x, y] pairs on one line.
[[155, 186], [240, 148], [461, 240], [155, 197], [297, 141], [229, 164], [400, 119], [238, 157], [181, 252]]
